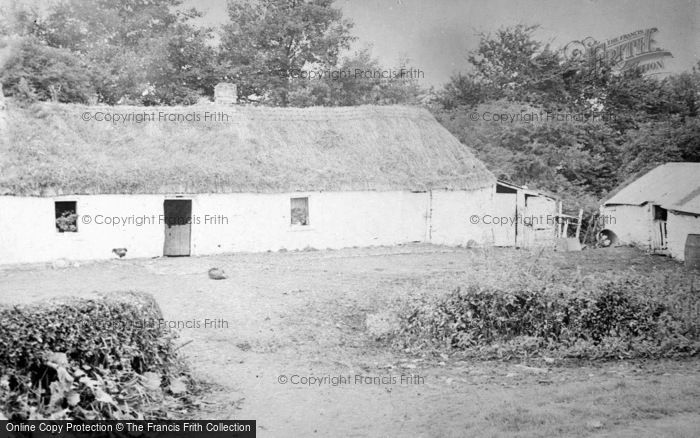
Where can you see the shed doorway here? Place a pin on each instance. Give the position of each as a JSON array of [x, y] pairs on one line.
[[178, 227], [659, 233]]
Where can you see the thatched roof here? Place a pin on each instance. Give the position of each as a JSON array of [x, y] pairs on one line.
[[52, 150]]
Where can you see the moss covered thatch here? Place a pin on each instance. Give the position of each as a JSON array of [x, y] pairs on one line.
[[52, 150]]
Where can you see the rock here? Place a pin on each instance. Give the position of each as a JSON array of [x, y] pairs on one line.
[[534, 370], [60, 264], [151, 381], [382, 324], [73, 398], [217, 274], [594, 424], [244, 346], [178, 386]]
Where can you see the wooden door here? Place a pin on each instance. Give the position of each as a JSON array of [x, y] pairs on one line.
[[539, 227], [178, 227]]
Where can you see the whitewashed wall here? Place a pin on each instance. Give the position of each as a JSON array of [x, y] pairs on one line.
[[258, 222], [240, 222], [451, 217], [28, 232], [678, 227], [631, 224]]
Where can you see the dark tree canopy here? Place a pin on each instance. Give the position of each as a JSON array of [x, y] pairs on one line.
[[627, 124], [266, 42]]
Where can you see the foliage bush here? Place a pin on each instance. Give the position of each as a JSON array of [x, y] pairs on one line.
[[98, 358], [605, 319], [67, 221]]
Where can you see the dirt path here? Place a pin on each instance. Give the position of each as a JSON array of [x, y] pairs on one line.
[[301, 315]]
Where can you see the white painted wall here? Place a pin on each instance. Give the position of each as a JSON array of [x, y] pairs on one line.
[[678, 227], [452, 212], [247, 222], [28, 232], [261, 222], [631, 223]]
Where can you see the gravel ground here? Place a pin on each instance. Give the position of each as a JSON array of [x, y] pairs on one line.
[[301, 317]]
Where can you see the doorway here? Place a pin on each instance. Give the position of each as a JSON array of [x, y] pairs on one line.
[[178, 227], [659, 232]]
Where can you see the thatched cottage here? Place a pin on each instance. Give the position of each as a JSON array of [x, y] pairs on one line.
[[77, 182], [657, 211]]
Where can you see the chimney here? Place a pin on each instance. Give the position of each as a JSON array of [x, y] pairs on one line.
[[225, 93]]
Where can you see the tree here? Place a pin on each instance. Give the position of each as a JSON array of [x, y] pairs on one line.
[[462, 90], [512, 64], [37, 71], [630, 122], [267, 42], [138, 51]]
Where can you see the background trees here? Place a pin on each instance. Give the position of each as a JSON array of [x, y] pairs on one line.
[[266, 42], [133, 51], [628, 123]]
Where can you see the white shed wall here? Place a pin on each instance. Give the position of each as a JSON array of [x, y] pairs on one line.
[[631, 223], [678, 227]]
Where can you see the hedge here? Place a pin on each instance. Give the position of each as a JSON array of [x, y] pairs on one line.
[[113, 331], [84, 357], [612, 320]]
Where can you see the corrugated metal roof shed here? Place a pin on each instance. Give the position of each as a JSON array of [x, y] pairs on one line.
[[674, 186]]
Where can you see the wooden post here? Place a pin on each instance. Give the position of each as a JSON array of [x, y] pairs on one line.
[[578, 225], [560, 226], [590, 225]]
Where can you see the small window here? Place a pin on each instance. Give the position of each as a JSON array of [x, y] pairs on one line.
[[66, 216], [660, 213], [300, 211]]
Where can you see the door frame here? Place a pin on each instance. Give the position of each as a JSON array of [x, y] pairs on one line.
[[166, 226]]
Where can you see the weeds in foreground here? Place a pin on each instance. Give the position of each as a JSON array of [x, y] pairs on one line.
[[536, 309]]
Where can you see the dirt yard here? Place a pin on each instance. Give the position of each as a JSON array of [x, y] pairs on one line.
[[294, 316]]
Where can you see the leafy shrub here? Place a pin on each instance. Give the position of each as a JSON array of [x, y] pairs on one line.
[[96, 358], [596, 320], [67, 222]]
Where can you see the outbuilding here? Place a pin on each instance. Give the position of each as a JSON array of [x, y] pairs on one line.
[[536, 216], [657, 211]]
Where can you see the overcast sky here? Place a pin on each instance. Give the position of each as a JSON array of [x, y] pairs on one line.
[[437, 34]]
